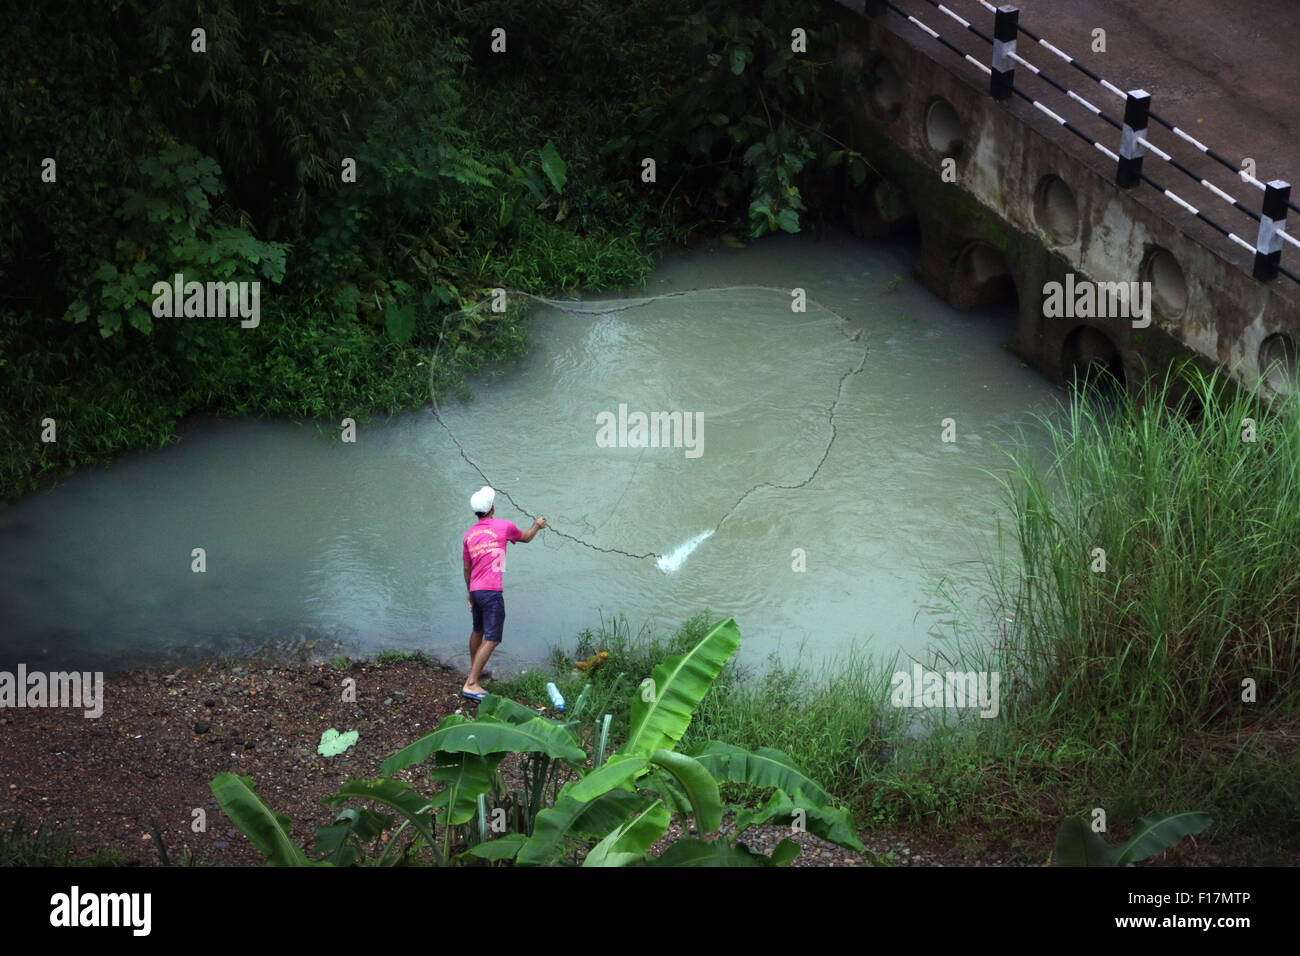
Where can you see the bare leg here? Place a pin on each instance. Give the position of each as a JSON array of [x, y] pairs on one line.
[[477, 665], [475, 639]]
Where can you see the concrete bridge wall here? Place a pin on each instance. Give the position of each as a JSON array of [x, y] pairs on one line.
[[1030, 205]]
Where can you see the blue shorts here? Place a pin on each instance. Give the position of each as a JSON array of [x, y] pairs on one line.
[[489, 609]]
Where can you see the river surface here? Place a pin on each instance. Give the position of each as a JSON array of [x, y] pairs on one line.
[[357, 546]]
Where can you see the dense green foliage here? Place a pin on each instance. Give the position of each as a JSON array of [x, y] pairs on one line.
[[473, 170], [610, 814]]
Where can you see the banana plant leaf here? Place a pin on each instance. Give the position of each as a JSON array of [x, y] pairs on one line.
[[488, 735], [557, 828], [785, 852], [664, 784], [1077, 844], [1156, 834], [509, 711], [608, 777], [700, 787], [765, 767], [689, 851], [395, 794], [630, 841], [835, 826], [268, 830], [337, 842], [502, 848], [466, 776], [679, 684]]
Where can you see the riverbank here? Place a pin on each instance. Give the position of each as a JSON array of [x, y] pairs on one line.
[[129, 784]]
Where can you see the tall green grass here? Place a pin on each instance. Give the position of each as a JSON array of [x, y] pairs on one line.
[[832, 717], [1126, 684], [1201, 587]]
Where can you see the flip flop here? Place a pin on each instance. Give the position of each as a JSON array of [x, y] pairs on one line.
[[486, 675], [477, 698]]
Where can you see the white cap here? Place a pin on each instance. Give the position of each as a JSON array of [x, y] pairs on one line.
[[481, 500]]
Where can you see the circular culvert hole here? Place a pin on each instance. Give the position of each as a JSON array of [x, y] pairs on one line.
[[1056, 211], [982, 263], [943, 128], [982, 278], [886, 89], [1168, 285], [1088, 356], [1279, 362], [890, 202]]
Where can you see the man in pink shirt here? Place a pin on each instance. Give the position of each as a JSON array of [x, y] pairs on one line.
[[484, 554]]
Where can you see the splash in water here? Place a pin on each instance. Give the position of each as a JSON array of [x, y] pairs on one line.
[[673, 560]]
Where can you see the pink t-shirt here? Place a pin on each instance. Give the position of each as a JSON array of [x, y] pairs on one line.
[[485, 549]]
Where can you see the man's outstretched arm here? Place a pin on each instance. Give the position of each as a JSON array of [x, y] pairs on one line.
[[538, 525]]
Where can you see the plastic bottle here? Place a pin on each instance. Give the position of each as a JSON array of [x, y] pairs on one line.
[[557, 701]]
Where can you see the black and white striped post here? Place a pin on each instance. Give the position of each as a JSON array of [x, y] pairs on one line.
[[1134, 143], [1006, 25], [1136, 107], [1268, 248]]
